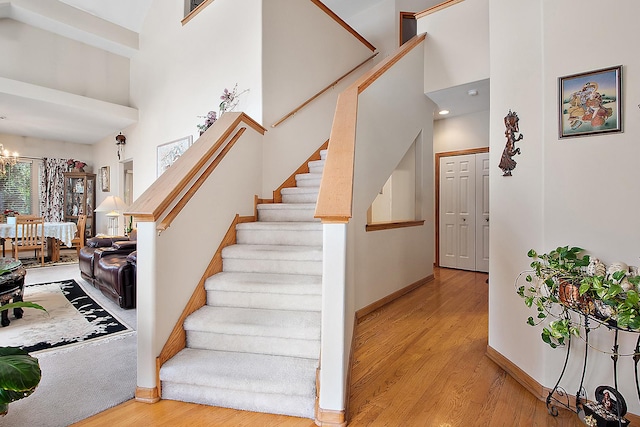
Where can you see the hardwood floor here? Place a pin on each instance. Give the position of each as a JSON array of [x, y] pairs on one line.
[[419, 361]]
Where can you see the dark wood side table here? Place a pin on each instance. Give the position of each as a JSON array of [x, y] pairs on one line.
[[11, 286]]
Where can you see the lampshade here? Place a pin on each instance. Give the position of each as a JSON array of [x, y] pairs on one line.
[[112, 205]]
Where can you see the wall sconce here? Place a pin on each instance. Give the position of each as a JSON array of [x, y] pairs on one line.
[[120, 141]]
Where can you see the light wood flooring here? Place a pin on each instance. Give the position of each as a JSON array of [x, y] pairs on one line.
[[419, 361]]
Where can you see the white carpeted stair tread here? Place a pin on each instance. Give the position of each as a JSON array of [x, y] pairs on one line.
[[323, 154], [273, 252], [280, 225], [265, 291], [242, 371], [287, 212], [300, 195], [257, 282], [308, 179], [280, 233], [286, 206], [299, 190], [255, 322], [316, 164]]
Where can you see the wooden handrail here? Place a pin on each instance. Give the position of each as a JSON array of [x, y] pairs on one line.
[[336, 189], [329, 86], [343, 24], [167, 220], [172, 184], [195, 11], [436, 8]]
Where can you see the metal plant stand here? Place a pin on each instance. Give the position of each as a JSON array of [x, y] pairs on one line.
[[558, 396]]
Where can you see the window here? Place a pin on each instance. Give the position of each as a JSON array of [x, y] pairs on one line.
[[194, 3], [16, 188]]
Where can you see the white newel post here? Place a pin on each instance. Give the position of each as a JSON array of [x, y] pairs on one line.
[[332, 372], [146, 305]]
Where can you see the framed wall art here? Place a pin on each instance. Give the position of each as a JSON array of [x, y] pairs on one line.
[[590, 103], [105, 178], [170, 152]]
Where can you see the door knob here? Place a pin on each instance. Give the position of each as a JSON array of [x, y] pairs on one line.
[[464, 219]]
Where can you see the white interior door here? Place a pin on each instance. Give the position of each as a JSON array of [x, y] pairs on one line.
[[457, 212], [464, 212], [482, 212]]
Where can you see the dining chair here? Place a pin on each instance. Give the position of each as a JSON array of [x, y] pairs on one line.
[[79, 240], [29, 236]]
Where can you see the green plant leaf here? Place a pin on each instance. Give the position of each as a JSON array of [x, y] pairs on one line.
[[530, 321], [520, 291], [618, 275], [22, 304], [19, 374], [528, 301], [584, 288], [532, 254]]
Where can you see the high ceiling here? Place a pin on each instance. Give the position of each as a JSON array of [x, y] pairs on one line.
[[39, 112]]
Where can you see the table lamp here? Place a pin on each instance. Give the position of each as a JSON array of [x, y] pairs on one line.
[[114, 206]]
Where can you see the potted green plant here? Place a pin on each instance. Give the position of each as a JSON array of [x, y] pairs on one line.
[[19, 372], [566, 280]]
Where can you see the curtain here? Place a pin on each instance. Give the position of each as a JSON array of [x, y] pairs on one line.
[[52, 188]]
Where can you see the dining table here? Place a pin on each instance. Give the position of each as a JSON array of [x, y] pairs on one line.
[[55, 233]]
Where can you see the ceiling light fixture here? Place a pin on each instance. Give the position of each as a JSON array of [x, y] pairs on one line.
[[6, 159], [472, 92], [443, 112]]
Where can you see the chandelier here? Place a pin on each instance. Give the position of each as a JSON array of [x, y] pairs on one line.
[[6, 159]]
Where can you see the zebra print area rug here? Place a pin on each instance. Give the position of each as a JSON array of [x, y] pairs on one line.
[[72, 318]]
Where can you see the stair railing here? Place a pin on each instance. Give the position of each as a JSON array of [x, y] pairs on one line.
[[181, 219], [336, 201], [336, 191], [169, 194], [329, 86], [350, 29]]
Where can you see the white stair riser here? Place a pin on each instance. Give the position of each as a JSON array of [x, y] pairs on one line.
[[279, 237], [265, 300], [308, 182], [298, 406], [287, 215], [276, 346], [316, 166], [272, 266], [300, 198]]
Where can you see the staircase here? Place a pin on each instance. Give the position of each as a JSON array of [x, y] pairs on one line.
[[255, 346]]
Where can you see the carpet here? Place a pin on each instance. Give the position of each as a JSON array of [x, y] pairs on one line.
[[65, 258], [72, 318]]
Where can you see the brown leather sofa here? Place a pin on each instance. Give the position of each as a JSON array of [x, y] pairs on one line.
[[105, 262]]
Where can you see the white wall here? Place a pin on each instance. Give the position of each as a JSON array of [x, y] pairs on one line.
[[561, 191], [392, 259], [297, 65], [45, 59], [181, 71], [461, 132], [457, 45]]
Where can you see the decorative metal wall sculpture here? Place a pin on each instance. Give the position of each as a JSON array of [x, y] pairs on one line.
[[507, 164]]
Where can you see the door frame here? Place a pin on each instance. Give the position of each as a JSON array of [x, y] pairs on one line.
[[437, 190]]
